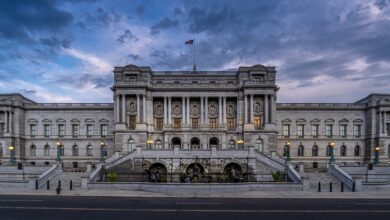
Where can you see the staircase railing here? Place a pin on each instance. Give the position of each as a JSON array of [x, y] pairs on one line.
[[342, 176], [293, 174], [48, 174]]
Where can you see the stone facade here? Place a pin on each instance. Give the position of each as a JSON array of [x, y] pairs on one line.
[[194, 111]]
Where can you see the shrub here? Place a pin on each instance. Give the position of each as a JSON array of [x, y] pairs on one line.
[[112, 177], [277, 176]]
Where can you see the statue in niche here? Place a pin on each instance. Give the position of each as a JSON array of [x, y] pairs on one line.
[[230, 110], [212, 110], [159, 110], [194, 110], [257, 107], [131, 107], [177, 110]]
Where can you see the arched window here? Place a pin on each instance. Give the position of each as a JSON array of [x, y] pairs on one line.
[[46, 150], [1, 150], [328, 151], [388, 150], [62, 150], [301, 151], [158, 144], [75, 151], [314, 151], [130, 145], [285, 150], [232, 144], [33, 151], [89, 150], [357, 151], [259, 145], [343, 151], [104, 151]]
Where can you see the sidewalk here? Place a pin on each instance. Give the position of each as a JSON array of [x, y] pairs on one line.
[[250, 194]]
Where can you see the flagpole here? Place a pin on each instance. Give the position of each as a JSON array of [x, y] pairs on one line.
[[194, 67]]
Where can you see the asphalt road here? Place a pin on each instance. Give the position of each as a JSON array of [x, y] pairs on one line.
[[66, 207]]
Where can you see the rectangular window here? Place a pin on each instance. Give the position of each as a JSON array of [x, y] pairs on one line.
[[132, 122], [300, 131], [89, 130], [213, 123], [314, 130], [388, 129], [230, 124], [47, 130], [33, 130], [75, 131], [160, 124], [103, 130], [286, 130], [257, 122], [329, 130], [176, 123], [61, 130], [343, 130], [195, 123], [1, 128], [357, 130]]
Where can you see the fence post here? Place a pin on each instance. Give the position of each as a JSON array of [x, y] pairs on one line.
[[330, 187], [342, 187], [353, 187], [47, 185], [319, 186], [70, 185], [36, 184]]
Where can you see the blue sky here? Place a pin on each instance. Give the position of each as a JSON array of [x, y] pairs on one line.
[[324, 51]]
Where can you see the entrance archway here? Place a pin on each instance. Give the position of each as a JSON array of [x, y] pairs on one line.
[[195, 143], [176, 142], [213, 142]]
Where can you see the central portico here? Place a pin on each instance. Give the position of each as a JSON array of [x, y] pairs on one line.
[[195, 110]]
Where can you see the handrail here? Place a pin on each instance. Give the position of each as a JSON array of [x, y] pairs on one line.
[[47, 175], [293, 174], [341, 175]]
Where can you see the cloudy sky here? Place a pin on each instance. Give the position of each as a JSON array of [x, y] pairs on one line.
[[324, 51]]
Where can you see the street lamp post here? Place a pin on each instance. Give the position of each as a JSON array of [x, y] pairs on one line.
[[376, 161], [58, 151], [331, 159], [240, 142], [11, 154], [102, 145], [288, 159]]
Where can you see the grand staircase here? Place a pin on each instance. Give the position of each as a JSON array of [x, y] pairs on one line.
[[322, 176], [65, 178]]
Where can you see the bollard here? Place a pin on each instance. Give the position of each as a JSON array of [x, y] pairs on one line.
[[58, 190], [70, 185], [47, 185], [342, 187], [353, 187], [319, 186], [330, 187], [36, 184]]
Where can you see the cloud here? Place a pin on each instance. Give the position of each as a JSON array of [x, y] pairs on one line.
[[101, 66], [54, 42], [127, 35], [162, 25]]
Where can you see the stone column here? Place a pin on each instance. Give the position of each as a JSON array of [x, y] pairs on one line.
[[169, 110], [165, 111], [224, 110], [151, 110], [143, 108], [220, 110], [201, 110], [188, 110], [10, 126], [183, 109], [384, 122], [266, 109], [206, 111], [246, 110], [123, 108], [138, 109], [6, 121], [118, 118], [272, 103], [251, 107], [380, 122]]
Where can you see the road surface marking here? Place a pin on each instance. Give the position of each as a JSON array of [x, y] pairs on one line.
[[20, 200], [196, 210], [198, 203]]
